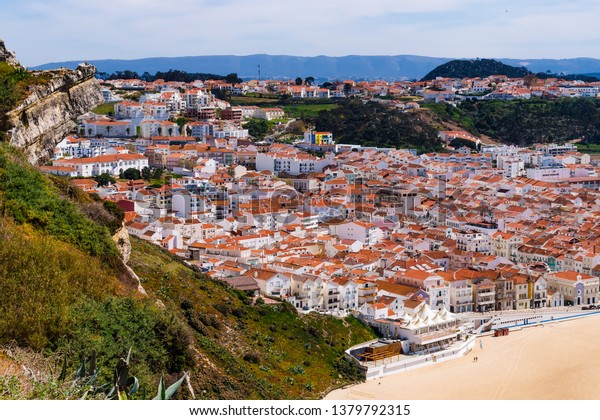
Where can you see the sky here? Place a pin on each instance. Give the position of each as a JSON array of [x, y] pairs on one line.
[[61, 30]]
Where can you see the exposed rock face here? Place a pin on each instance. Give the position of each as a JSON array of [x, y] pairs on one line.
[[7, 56], [47, 115], [123, 242]]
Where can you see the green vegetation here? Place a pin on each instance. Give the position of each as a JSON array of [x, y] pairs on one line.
[[257, 127], [250, 100], [525, 122], [258, 346], [131, 173], [15, 83], [169, 76], [307, 110], [588, 148], [105, 109], [43, 280], [30, 198], [372, 124], [475, 68]]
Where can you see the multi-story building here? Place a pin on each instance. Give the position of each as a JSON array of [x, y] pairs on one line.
[[505, 244], [110, 164], [461, 295], [366, 233], [505, 293], [521, 293], [577, 288], [433, 284], [472, 241], [484, 294], [292, 164]]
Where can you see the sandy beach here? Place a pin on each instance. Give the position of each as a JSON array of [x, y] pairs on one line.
[[554, 361]]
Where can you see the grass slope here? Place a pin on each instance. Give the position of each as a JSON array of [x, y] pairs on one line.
[[249, 351]]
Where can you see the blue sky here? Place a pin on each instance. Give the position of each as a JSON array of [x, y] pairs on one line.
[[60, 30]]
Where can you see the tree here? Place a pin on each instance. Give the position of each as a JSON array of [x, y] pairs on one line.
[[298, 81], [347, 88], [104, 179], [131, 173], [188, 131], [180, 123], [309, 80], [170, 130], [159, 130], [233, 78], [128, 130], [530, 80], [257, 127]]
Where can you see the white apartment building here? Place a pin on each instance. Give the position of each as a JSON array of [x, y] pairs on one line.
[[110, 164], [472, 241], [293, 164], [366, 233]]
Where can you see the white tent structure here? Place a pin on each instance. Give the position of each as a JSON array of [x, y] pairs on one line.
[[427, 330]]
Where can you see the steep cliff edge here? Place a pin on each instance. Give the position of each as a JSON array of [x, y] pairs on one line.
[[50, 101], [7, 56], [47, 114]]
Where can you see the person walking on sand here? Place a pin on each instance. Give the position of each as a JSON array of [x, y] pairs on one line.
[[480, 344]]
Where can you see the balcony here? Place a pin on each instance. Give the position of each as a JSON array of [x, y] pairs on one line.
[[434, 336], [464, 302]]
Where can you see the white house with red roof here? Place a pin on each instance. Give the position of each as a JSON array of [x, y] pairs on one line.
[[109, 164]]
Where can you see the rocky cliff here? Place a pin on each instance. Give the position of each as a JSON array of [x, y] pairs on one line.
[[48, 113], [123, 242], [7, 56]]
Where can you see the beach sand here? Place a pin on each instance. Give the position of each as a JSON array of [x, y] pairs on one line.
[[554, 361]]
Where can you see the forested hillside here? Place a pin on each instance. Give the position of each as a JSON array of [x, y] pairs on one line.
[[525, 122], [373, 124], [475, 68]]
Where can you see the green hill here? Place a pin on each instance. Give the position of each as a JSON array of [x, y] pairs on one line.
[[373, 124], [525, 122], [475, 68]]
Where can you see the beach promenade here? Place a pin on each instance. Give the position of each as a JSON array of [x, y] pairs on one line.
[[553, 361]]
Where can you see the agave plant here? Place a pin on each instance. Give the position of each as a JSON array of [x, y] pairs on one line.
[[166, 394], [123, 386]]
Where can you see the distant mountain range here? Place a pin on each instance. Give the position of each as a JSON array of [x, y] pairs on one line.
[[321, 67]]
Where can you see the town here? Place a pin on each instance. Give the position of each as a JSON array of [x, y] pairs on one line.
[[388, 235]]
